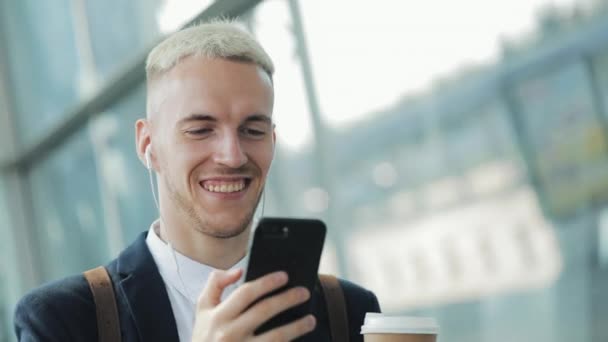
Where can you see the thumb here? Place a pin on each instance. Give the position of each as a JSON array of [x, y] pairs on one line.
[[218, 281]]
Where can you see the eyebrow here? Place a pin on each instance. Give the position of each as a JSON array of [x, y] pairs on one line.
[[198, 117], [259, 117], [211, 118]]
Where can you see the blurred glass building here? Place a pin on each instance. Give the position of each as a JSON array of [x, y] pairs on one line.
[[466, 183]]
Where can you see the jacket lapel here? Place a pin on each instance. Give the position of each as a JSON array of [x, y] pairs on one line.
[[143, 288]]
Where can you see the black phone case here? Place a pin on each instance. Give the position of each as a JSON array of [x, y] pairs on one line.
[[291, 245]]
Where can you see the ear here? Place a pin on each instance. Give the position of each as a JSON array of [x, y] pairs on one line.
[[143, 141]]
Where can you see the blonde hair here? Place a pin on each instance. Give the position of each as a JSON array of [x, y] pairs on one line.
[[217, 39]]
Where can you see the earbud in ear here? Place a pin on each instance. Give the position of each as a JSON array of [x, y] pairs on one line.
[[148, 158]]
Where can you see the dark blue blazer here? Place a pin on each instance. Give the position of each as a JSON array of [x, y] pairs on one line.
[[64, 310]]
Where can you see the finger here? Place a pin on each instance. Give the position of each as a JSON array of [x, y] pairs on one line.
[[289, 331], [248, 293], [270, 307], [218, 281]]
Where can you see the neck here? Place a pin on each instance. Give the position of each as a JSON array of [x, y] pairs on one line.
[[219, 253]]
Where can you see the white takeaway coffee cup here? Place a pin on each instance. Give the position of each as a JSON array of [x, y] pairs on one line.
[[389, 328]]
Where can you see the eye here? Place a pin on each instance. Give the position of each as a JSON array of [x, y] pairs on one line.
[[253, 132], [199, 132]]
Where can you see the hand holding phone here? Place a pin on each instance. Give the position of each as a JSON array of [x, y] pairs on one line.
[[290, 245], [236, 319]]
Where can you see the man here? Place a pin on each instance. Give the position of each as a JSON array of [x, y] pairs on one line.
[[210, 139]]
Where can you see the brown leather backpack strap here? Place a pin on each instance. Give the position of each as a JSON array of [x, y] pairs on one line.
[[108, 326], [336, 307]]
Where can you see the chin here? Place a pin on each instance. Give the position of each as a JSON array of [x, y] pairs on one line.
[[227, 233], [225, 229]]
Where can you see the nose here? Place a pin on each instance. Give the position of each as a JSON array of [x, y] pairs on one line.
[[229, 152]]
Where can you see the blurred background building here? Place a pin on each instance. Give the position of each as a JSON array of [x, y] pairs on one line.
[[457, 150]]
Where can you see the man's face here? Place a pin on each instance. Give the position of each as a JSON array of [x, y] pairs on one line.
[[213, 142]]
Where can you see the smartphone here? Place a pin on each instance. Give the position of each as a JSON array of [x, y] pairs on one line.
[[290, 245]]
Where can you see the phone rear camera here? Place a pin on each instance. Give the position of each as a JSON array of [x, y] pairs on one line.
[[277, 232]]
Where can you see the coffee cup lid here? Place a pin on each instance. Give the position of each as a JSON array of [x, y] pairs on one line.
[[376, 323]]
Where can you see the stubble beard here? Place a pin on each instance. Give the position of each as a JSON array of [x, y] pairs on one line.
[[205, 225]]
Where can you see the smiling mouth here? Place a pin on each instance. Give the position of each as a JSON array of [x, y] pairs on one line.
[[226, 186]]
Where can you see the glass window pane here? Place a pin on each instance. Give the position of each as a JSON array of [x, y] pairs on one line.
[[571, 170], [43, 62], [173, 14], [118, 31], [600, 67], [126, 187], [71, 221], [433, 193], [6, 269], [61, 52]]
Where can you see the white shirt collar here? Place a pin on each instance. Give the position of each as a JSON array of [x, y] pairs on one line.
[[187, 276]]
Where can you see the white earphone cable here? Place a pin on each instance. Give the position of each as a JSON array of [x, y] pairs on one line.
[[151, 177], [169, 246], [179, 274]]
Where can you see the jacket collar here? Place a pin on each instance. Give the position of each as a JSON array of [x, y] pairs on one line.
[[143, 288]]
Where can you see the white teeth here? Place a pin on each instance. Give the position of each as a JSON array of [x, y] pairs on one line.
[[226, 188]]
